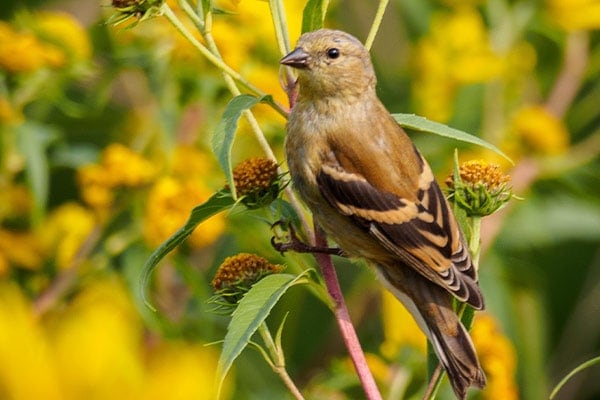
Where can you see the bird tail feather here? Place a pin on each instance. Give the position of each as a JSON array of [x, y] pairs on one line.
[[431, 307]]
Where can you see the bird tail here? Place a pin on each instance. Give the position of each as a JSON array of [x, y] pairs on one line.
[[431, 307], [455, 350]]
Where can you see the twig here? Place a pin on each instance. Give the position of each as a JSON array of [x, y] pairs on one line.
[[568, 82], [278, 362], [214, 59], [434, 383], [342, 318], [65, 280]]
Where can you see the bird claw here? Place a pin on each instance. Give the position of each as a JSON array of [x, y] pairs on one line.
[[296, 244]]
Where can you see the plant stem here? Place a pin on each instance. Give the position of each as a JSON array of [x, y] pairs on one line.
[[278, 361], [343, 320], [215, 60], [434, 383], [566, 86], [280, 25], [258, 133], [376, 23], [475, 240], [230, 76]]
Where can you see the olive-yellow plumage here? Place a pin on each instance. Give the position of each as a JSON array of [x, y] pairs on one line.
[[375, 195]]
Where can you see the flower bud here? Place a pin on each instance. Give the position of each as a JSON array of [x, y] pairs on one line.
[[139, 9], [481, 188]]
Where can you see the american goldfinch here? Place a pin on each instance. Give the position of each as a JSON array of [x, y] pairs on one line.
[[375, 195]]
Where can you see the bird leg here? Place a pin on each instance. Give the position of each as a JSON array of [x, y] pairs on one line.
[[296, 244]]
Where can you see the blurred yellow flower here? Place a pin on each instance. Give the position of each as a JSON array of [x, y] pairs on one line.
[[65, 231], [95, 186], [15, 201], [126, 168], [539, 132], [24, 52], [119, 167], [456, 51], [27, 368], [97, 344], [169, 205], [498, 358], [573, 15], [399, 327], [179, 371], [94, 348], [65, 32], [20, 249], [190, 163]]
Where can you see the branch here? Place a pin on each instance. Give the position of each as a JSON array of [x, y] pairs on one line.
[[342, 318]]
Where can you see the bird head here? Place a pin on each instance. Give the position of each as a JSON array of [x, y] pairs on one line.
[[331, 63]]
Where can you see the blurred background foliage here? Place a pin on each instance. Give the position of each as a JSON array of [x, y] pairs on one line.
[[103, 153]]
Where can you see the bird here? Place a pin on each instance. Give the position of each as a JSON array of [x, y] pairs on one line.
[[375, 195]]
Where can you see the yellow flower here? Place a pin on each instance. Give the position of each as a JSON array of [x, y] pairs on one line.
[[573, 15], [97, 342], [24, 52], [20, 249], [190, 163], [65, 231], [190, 369], [168, 207], [540, 132], [27, 368], [399, 327], [498, 358], [456, 51], [15, 201], [119, 167], [63, 31], [95, 186], [125, 167]]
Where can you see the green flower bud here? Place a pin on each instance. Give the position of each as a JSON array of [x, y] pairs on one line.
[[481, 188], [138, 9]]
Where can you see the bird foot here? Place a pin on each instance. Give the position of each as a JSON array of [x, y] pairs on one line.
[[294, 243]]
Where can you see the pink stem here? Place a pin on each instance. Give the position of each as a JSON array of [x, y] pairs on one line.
[[343, 320]]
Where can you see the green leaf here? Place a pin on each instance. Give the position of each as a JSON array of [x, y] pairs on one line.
[[313, 16], [33, 140], [250, 313], [421, 124], [218, 202], [222, 138]]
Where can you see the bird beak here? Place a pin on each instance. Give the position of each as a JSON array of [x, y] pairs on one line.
[[296, 59]]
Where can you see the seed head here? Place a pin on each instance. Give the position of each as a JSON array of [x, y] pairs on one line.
[[257, 182], [238, 273]]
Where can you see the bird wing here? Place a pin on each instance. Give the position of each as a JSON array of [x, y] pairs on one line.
[[421, 232]]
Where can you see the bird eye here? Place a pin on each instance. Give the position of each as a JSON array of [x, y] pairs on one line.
[[333, 53]]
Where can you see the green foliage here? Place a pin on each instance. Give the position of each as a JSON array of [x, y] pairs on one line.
[[313, 16], [252, 312], [421, 124], [218, 202], [224, 134]]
